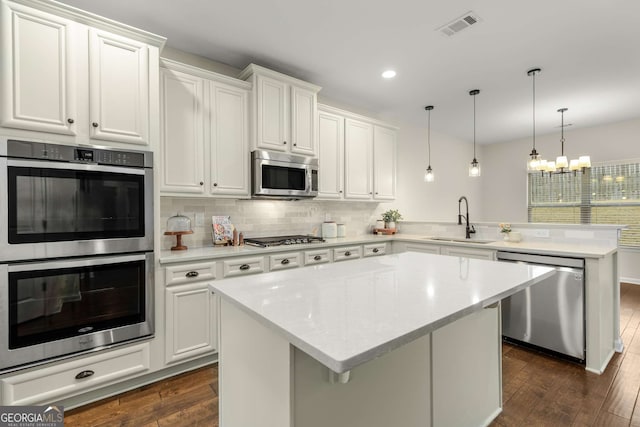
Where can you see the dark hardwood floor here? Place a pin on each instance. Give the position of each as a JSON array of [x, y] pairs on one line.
[[537, 390]]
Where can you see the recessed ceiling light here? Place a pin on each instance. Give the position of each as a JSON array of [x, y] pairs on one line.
[[389, 74]]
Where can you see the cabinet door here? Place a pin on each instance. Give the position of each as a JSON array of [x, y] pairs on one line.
[[384, 163], [38, 77], [191, 313], [182, 133], [229, 141], [118, 88], [358, 158], [272, 119], [418, 247], [303, 121], [330, 156]]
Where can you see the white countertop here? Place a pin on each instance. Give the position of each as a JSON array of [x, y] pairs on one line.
[[345, 314], [580, 250]]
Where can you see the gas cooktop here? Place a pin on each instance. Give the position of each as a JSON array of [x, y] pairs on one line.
[[265, 242]]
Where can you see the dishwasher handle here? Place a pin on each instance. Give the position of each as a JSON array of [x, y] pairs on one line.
[[548, 260]]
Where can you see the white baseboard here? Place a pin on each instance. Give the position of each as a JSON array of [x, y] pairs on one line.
[[632, 280]]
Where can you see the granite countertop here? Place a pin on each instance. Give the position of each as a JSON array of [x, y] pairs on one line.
[[584, 249], [345, 314]]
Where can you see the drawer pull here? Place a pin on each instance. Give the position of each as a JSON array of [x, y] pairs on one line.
[[192, 274], [376, 250], [284, 261], [317, 258], [84, 374], [245, 267], [347, 253]]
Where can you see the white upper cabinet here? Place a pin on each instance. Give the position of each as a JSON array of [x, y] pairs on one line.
[[118, 88], [229, 140], [357, 156], [69, 73], [358, 160], [284, 112], [384, 163], [330, 155], [182, 132], [204, 132], [38, 75]]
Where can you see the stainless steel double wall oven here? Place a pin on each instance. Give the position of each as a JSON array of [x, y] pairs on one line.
[[76, 249]]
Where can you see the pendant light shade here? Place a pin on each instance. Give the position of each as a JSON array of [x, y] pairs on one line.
[[428, 174], [534, 158], [474, 166]]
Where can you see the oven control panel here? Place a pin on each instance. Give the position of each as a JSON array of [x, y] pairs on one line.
[[68, 153]]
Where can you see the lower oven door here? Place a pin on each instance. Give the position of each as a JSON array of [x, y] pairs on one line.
[[61, 307]]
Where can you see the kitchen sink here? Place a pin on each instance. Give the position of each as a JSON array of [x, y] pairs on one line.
[[452, 239]]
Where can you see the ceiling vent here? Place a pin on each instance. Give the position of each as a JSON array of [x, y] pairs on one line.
[[459, 24]]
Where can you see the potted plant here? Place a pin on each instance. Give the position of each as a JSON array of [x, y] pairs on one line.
[[390, 218]]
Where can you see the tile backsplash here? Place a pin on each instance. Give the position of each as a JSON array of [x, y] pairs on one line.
[[259, 218]]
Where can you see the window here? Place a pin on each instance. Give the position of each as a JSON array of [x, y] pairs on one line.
[[608, 193]]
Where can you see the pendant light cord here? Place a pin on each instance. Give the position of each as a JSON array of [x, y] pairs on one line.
[[534, 110], [474, 126], [429, 136], [562, 132]]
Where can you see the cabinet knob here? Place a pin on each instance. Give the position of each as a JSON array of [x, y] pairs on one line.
[[284, 142], [70, 121], [94, 124], [370, 192], [84, 374], [376, 192], [376, 250], [317, 258], [245, 267], [347, 253], [192, 274], [201, 183], [215, 184], [295, 144], [340, 191], [284, 261]]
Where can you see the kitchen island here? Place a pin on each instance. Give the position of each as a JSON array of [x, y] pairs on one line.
[[408, 339]]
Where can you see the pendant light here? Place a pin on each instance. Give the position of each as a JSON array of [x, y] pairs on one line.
[[428, 175], [474, 166], [534, 158]]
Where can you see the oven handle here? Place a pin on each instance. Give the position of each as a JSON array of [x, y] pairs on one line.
[[87, 262], [74, 166]]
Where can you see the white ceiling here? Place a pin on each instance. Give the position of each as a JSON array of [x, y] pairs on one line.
[[589, 52]]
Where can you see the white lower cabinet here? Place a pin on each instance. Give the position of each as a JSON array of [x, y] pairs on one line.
[[488, 254], [477, 383], [346, 253], [50, 383], [318, 256], [242, 266], [374, 249], [285, 261], [191, 318], [416, 247]]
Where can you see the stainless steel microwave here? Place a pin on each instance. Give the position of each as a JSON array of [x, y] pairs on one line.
[[283, 176]]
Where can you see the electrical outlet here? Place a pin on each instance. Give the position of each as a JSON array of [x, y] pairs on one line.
[[199, 219], [541, 233]]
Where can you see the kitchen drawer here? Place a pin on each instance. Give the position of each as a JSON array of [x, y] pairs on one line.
[[241, 266], [374, 249], [318, 256], [284, 261], [351, 252], [48, 384], [187, 273]]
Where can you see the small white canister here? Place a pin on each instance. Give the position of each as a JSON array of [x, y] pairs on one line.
[[329, 230], [342, 230]]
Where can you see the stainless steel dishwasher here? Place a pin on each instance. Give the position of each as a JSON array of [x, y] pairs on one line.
[[550, 314]]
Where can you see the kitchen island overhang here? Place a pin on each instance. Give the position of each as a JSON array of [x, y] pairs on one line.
[[384, 318]]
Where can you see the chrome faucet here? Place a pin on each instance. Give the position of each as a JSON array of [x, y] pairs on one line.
[[469, 230]]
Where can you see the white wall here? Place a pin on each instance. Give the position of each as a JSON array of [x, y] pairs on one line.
[[450, 158], [504, 195]]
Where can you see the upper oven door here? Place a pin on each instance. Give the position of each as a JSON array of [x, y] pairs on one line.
[[56, 209]]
